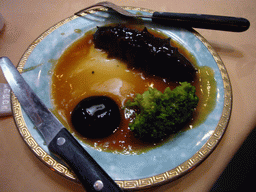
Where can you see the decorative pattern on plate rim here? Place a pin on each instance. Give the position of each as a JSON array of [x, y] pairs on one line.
[[162, 178]]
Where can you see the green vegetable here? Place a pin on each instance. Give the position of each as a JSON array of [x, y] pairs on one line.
[[161, 114]]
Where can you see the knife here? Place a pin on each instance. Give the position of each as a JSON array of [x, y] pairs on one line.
[[58, 139]]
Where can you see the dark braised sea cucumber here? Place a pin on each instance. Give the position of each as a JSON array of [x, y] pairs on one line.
[[141, 49]]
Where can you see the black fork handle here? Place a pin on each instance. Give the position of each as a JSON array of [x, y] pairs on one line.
[[224, 23]]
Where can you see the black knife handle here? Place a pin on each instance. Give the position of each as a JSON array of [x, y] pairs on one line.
[[90, 174], [235, 24]]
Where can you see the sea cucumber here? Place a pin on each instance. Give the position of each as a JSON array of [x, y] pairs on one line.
[[142, 50]]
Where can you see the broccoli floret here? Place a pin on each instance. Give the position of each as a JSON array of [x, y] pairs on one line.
[[161, 114]]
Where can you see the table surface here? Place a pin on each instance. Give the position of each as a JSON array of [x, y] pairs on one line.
[[25, 20]]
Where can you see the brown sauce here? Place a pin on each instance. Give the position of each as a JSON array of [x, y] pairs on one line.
[[83, 71]]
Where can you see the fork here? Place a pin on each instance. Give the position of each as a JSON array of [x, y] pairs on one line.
[[185, 20]]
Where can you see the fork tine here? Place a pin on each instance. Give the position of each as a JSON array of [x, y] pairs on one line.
[[110, 5], [83, 10], [117, 9]]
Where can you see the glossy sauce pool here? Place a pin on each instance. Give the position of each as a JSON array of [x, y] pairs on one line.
[[83, 71]]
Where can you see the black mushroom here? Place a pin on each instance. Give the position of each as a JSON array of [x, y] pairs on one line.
[[96, 117]]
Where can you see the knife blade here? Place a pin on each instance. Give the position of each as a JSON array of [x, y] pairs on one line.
[[57, 137]]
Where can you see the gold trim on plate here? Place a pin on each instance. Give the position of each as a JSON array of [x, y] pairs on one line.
[[167, 176]]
